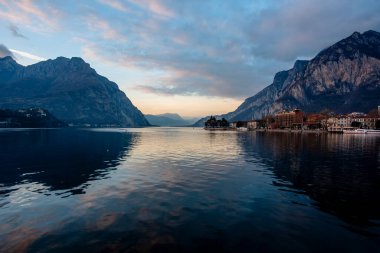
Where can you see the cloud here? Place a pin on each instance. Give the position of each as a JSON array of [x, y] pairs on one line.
[[296, 28], [4, 51], [107, 30], [27, 55], [38, 16], [207, 48], [156, 7], [16, 32], [181, 73], [234, 49], [115, 4], [197, 51]]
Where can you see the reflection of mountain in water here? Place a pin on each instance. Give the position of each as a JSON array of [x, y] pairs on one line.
[[342, 173], [60, 159]]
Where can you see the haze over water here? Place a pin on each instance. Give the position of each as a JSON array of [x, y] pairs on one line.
[[188, 190]]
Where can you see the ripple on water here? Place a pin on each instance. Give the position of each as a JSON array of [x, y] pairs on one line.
[[182, 188]]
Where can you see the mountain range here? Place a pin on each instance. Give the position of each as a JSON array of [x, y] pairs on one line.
[[70, 89], [344, 77], [167, 119]]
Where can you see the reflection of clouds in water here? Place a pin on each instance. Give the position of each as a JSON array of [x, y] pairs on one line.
[[169, 180], [25, 194], [19, 240], [38, 163], [61, 159], [21, 229], [104, 221], [160, 168], [184, 150]]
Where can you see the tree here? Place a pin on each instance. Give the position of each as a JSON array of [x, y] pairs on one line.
[[224, 123], [212, 122]]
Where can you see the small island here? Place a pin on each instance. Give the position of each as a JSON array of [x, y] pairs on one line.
[[217, 124]]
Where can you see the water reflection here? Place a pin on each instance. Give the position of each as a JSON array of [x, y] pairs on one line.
[[189, 190], [60, 159], [340, 172]]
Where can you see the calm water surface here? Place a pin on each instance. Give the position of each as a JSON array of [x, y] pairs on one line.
[[188, 190]]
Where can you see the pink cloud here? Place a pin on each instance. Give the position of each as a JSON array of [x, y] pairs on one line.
[[106, 29], [117, 5], [155, 6], [28, 13]]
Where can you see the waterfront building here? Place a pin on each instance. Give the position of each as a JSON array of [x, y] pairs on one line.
[[253, 124], [365, 122], [239, 124], [338, 123], [314, 121], [293, 119], [344, 121]]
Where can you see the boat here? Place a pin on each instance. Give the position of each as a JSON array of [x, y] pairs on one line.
[[361, 131], [354, 131], [372, 131]]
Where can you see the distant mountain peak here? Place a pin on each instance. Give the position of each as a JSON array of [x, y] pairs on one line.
[[365, 38], [366, 34], [167, 119], [355, 35], [371, 33], [65, 59], [8, 64], [352, 47], [7, 58], [300, 64], [72, 60], [171, 115]]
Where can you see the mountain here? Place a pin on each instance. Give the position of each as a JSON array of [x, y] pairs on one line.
[[166, 119], [188, 120], [191, 120], [344, 77], [175, 116], [68, 88]]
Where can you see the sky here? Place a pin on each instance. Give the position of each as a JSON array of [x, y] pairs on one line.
[[192, 57]]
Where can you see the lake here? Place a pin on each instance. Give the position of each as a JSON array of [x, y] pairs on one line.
[[187, 190]]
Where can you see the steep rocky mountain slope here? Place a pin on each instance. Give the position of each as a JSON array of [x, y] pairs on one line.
[[344, 77], [70, 89]]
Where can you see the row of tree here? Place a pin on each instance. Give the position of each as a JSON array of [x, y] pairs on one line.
[[212, 122]]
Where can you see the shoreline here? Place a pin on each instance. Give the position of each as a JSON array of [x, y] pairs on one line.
[[293, 131], [318, 131]]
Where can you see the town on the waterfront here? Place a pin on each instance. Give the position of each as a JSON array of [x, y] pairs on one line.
[[297, 120]]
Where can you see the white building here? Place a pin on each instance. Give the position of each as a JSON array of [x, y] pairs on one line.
[[335, 123], [253, 124]]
